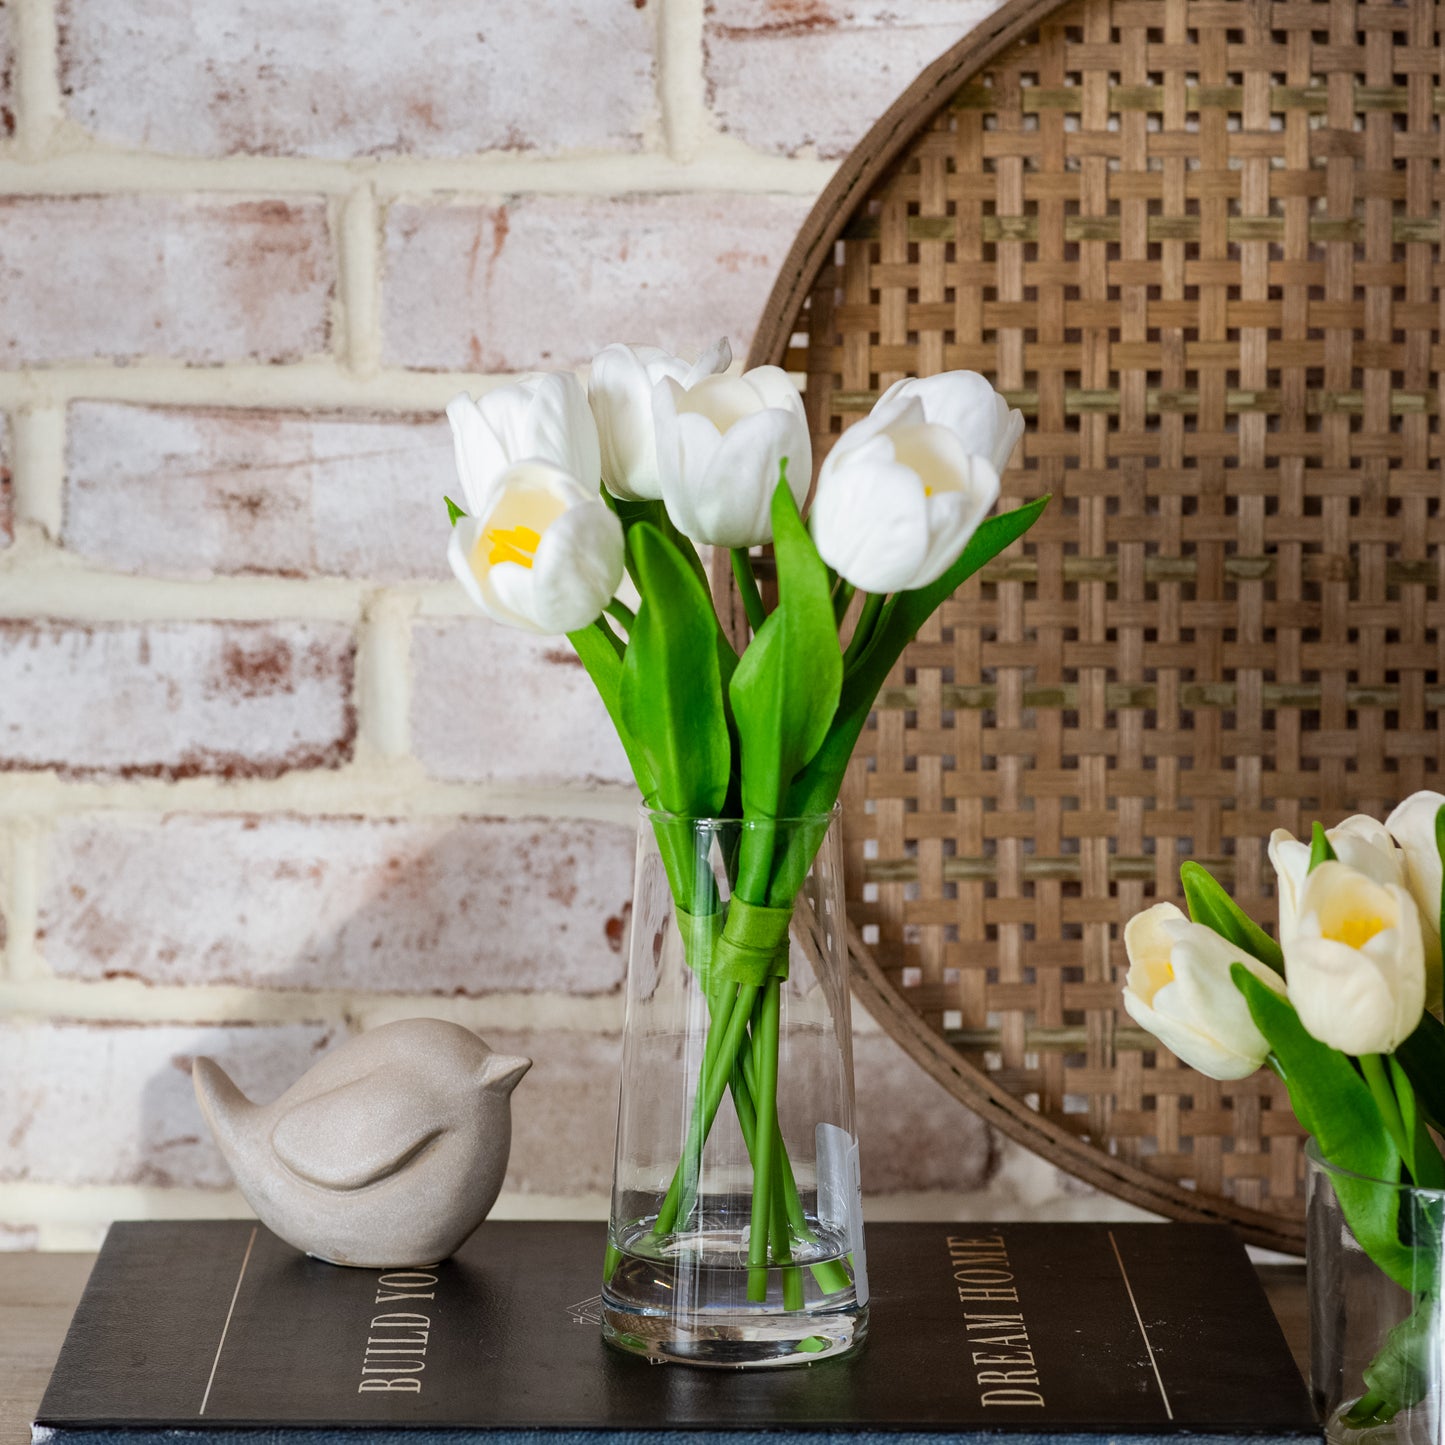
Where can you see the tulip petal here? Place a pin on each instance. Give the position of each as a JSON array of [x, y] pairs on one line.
[[578, 567], [728, 499], [1148, 941], [1212, 1058], [1356, 965], [558, 427], [716, 359], [479, 457], [869, 521], [954, 516], [776, 389], [962, 401], [482, 590], [619, 390]]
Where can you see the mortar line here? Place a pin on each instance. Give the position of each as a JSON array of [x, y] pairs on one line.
[[359, 266], [37, 466], [39, 109], [682, 82], [59, 164]]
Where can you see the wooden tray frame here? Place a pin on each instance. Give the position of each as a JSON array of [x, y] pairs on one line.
[[862, 179]]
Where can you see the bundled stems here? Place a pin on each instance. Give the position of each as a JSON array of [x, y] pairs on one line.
[[765, 1049]]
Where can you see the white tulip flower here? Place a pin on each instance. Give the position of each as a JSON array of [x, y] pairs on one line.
[[541, 417], [1356, 962], [620, 387], [720, 445], [899, 496], [1179, 988], [545, 555], [967, 405], [1413, 827], [1359, 842]]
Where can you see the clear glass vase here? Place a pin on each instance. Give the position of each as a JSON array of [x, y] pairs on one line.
[[736, 1232], [1373, 1256]]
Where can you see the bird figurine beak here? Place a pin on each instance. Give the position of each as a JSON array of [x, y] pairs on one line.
[[501, 1074]]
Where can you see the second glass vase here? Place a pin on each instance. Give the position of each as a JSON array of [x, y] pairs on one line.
[[736, 1233], [1377, 1327]]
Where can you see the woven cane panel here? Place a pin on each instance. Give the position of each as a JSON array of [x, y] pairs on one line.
[[1200, 245]]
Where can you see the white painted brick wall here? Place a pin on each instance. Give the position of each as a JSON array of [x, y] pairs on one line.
[[455, 906], [196, 278], [195, 493], [547, 281], [263, 778]]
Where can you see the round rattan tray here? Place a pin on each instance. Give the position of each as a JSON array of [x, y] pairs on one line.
[[1200, 245]]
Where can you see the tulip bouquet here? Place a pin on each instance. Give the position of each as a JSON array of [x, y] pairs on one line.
[[1344, 1006], [567, 492]]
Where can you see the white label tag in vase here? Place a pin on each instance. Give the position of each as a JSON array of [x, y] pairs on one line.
[[840, 1197]]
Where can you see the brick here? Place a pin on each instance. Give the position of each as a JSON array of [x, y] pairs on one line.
[[185, 493], [111, 1103], [7, 74], [331, 78], [197, 279], [564, 1113], [18, 1238], [232, 699], [547, 281], [492, 704], [784, 75], [913, 1136], [448, 906]]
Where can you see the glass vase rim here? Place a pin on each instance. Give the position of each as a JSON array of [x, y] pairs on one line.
[[737, 820], [1317, 1158]]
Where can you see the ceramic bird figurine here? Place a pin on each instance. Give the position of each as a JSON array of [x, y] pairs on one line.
[[388, 1153]]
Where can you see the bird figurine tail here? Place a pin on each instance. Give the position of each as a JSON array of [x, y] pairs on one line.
[[501, 1073], [223, 1104]]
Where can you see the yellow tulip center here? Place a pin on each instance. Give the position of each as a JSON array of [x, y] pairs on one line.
[[512, 544], [1357, 930]]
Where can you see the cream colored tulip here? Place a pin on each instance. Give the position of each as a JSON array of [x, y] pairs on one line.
[[1179, 988], [899, 496], [1359, 842], [543, 416], [619, 388], [1356, 961], [964, 403], [1413, 826], [545, 556], [721, 443]]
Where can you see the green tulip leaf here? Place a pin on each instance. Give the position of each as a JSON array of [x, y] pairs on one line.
[[454, 512], [1212, 906], [600, 652], [1427, 1169], [1334, 1103], [670, 691], [1440, 849], [1401, 1373], [1320, 850], [817, 789], [1422, 1056], [786, 687]]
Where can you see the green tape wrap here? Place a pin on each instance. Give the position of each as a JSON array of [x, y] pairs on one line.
[[754, 943], [700, 933]]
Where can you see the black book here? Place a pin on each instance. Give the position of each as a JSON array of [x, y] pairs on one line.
[[219, 1332]]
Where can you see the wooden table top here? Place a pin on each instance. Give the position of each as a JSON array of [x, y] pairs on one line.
[[38, 1293]]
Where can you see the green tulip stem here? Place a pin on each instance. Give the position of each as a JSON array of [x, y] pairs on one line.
[[863, 632], [725, 1037], [1373, 1068], [842, 600], [623, 613], [748, 588], [765, 1139]]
